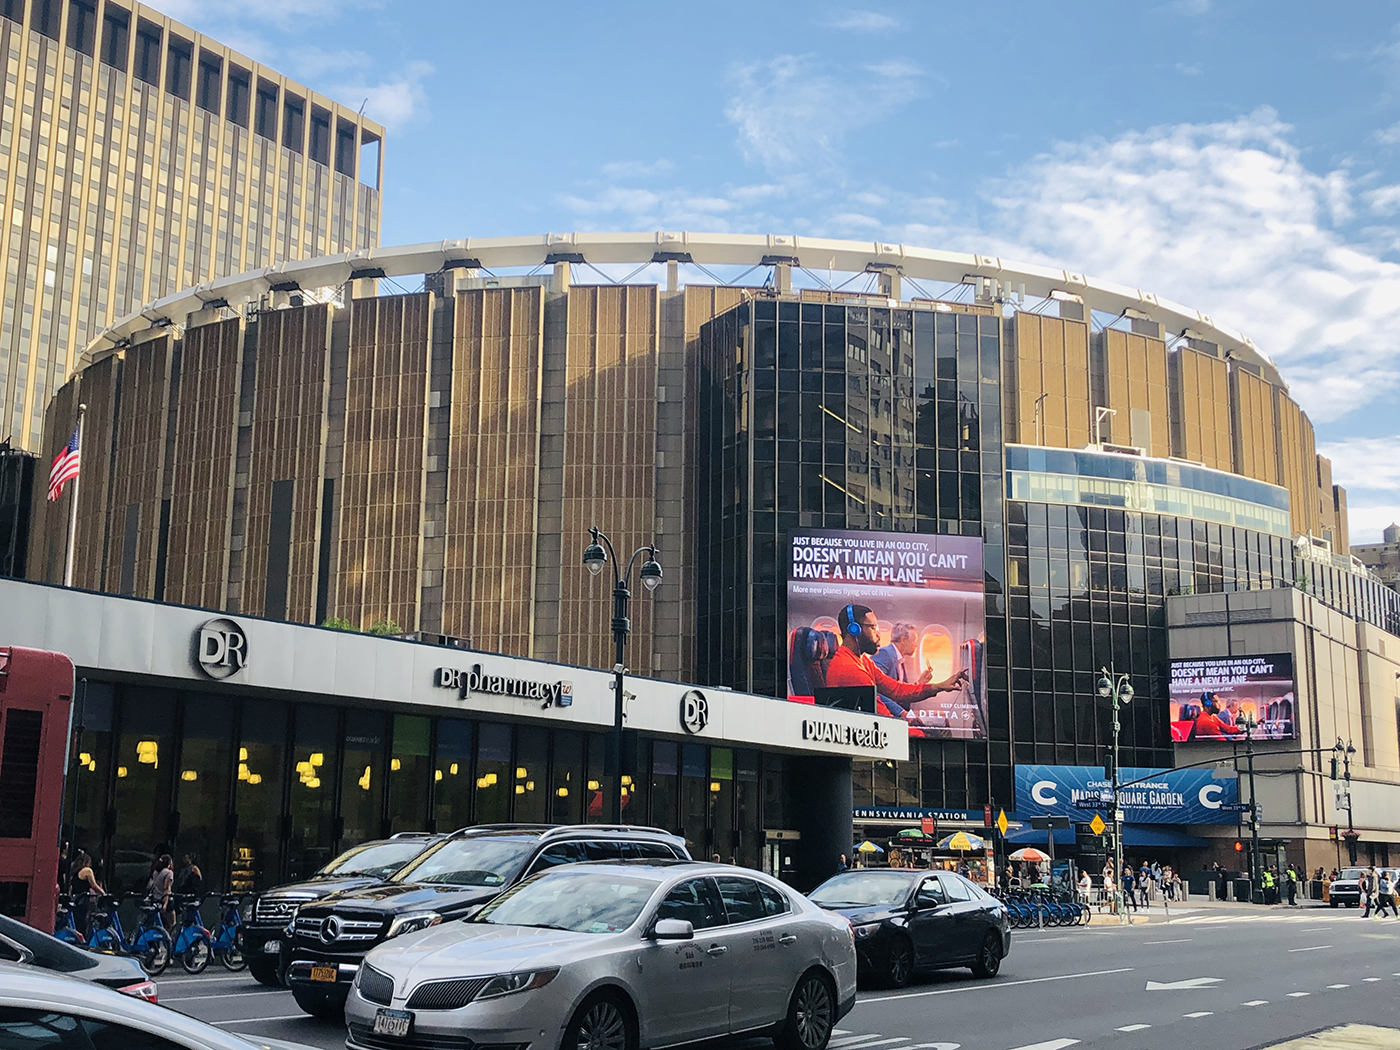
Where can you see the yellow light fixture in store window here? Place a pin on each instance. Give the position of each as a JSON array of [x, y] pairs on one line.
[[452, 769], [92, 767], [626, 781], [437, 774], [255, 779], [395, 765], [529, 785], [148, 752], [563, 792], [490, 779], [313, 783], [480, 782], [243, 771], [714, 785], [121, 771], [521, 772], [84, 758], [305, 768], [242, 754], [318, 758], [364, 780], [593, 785], [189, 775], [520, 789]]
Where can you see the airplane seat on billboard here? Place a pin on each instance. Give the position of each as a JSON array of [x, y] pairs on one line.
[[808, 656]]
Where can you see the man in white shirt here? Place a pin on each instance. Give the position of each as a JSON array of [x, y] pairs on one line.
[[900, 661]]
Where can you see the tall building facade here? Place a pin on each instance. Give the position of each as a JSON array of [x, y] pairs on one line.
[[138, 157], [1382, 558], [430, 463]]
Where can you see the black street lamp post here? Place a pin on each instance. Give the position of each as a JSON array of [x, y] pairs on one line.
[[1343, 752], [595, 557], [1119, 690], [1256, 888]]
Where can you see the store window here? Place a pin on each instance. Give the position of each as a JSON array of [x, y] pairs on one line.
[[636, 787], [257, 860], [531, 775], [721, 792], [315, 750], [665, 769], [202, 788], [409, 774], [145, 760], [746, 819], [566, 778], [493, 773], [599, 786], [91, 771], [695, 799], [362, 779], [452, 775]]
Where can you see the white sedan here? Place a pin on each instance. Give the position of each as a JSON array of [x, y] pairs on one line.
[[614, 956]]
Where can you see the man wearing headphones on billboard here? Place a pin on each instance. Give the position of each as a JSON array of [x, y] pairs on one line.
[[852, 664]]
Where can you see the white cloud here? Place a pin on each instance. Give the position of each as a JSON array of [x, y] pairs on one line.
[[392, 102], [637, 169], [863, 21], [791, 114], [1384, 200], [1369, 469], [1387, 136], [1188, 70]]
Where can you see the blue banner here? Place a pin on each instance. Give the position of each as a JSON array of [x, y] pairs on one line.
[[1166, 796]]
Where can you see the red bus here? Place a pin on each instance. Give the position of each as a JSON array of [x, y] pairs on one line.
[[36, 695]]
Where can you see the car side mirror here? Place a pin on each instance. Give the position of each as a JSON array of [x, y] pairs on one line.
[[12, 951], [673, 930], [926, 901]]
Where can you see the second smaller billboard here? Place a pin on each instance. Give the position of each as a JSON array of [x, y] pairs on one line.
[[1218, 697]]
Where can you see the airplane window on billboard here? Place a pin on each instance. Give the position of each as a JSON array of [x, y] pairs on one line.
[[1227, 697], [926, 595]]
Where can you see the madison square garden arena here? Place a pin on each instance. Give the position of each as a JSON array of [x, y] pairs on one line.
[[336, 511]]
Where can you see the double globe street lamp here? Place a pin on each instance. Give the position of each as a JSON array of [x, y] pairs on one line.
[[1119, 690], [596, 555]]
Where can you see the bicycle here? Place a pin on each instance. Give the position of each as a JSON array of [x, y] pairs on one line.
[[65, 926], [150, 945], [192, 945], [227, 943]]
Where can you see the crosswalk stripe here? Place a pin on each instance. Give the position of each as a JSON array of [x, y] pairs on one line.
[[1298, 995], [1339, 986], [1256, 1002], [1050, 1044], [1133, 1027], [1201, 1013]]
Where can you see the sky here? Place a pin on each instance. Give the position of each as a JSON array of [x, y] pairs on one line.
[[1241, 157]]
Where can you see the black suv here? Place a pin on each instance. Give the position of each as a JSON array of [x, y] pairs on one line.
[[451, 880], [265, 943]]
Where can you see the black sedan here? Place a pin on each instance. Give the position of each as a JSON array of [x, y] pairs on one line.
[[906, 920]]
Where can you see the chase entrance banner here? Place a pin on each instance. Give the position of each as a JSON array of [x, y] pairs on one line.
[[1181, 796]]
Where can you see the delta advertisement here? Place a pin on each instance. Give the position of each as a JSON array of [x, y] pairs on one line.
[[1216, 697], [1165, 796], [927, 593]]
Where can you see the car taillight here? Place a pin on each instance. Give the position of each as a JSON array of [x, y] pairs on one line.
[[140, 990]]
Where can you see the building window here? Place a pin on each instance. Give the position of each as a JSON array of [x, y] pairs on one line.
[[82, 26], [319, 149], [211, 75], [240, 89], [116, 29], [345, 148], [265, 121], [179, 63], [148, 37], [294, 123], [12, 9], [408, 774], [47, 14], [452, 775]]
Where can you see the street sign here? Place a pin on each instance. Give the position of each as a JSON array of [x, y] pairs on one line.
[[926, 825], [1097, 825], [1002, 822], [1092, 803], [1234, 807]]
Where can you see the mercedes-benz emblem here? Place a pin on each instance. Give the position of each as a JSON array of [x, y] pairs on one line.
[[330, 929]]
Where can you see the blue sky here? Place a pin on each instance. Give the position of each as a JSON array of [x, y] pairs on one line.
[[1239, 157]]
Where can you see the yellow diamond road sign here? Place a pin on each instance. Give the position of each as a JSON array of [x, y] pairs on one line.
[[1002, 822], [1097, 825]]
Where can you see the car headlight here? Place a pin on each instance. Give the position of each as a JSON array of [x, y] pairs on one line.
[[510, 983], [866, 930], [420, 920]]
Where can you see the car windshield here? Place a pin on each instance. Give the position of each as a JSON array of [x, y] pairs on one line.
[[573, 899], [49, 952], [863, 889], [378, 860], [469, 862], [1351, 874]]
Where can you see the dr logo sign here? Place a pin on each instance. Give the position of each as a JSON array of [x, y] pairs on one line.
[[221, 648]]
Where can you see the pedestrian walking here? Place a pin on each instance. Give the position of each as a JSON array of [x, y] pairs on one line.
[[1385, 896], [841, 864], [1129, 888], [1366, 884]]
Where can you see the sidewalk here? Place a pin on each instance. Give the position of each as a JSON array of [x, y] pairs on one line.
[[1197, 905]]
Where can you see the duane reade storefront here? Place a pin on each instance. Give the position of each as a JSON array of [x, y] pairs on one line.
[[264, 747]]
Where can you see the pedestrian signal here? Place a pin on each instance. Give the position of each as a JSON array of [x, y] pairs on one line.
[[1239, 847]]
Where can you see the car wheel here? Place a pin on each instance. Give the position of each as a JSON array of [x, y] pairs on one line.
[[318, 1006], [811, 1015], [265, 971], [899, 963], [601, 1023], [988, 961]]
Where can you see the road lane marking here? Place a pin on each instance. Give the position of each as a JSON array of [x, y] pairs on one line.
[[992, 985], [1201, 1013], [1184, 940], [855, 1041], [1370, 980], [839, 1031], [256, 1020], [1314, 948], [1315, 929], [1256, 1002], [1298, 995], [935, 1046], [1190, 982], [222, 995], [1133, 1027], [861, 1044], [1050, 1044], [1339, 986]]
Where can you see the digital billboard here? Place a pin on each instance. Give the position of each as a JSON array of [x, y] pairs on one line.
[[1155, 796], [927, 594], [1214, 697]]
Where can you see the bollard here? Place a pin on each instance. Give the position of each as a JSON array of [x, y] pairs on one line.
[[1210, 890]]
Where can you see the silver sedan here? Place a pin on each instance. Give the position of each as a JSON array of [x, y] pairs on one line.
[[614, 956]]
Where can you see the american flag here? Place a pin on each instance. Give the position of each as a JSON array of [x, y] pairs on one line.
[[65, 467]]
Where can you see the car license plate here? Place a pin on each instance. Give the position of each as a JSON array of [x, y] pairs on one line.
[[272, 947], [392, 1022], [324, 973]]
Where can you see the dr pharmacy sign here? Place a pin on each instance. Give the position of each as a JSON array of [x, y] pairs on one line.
[[549, 694]]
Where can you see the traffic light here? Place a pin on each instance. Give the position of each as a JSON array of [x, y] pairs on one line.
[[1239, 847], [1108, 769], [1334, 765]]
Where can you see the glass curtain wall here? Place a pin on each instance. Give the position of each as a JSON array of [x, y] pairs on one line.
[[315, 755], [493, 773], [452, 775], [201, 792], [145, 762], [362, 778], [566, 778], [531, 775], [257, 838], [90, 774], [409, 774]]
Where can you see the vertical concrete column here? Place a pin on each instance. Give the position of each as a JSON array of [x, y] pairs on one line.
[[550, 547], [823, 783]]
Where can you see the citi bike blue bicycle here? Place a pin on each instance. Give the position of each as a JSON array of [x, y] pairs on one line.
[[150, 944], [65, 926]]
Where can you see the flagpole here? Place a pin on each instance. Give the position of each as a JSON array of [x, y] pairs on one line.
[[73, 509]]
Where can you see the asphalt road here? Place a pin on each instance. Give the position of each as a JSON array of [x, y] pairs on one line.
[[1260, 976]]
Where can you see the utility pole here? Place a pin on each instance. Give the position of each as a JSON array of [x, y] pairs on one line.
[[1256, 890], [1343, 752], [1118, 689]]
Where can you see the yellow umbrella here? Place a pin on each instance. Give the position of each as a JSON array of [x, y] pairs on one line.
[[869, 847], [961, 840]]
